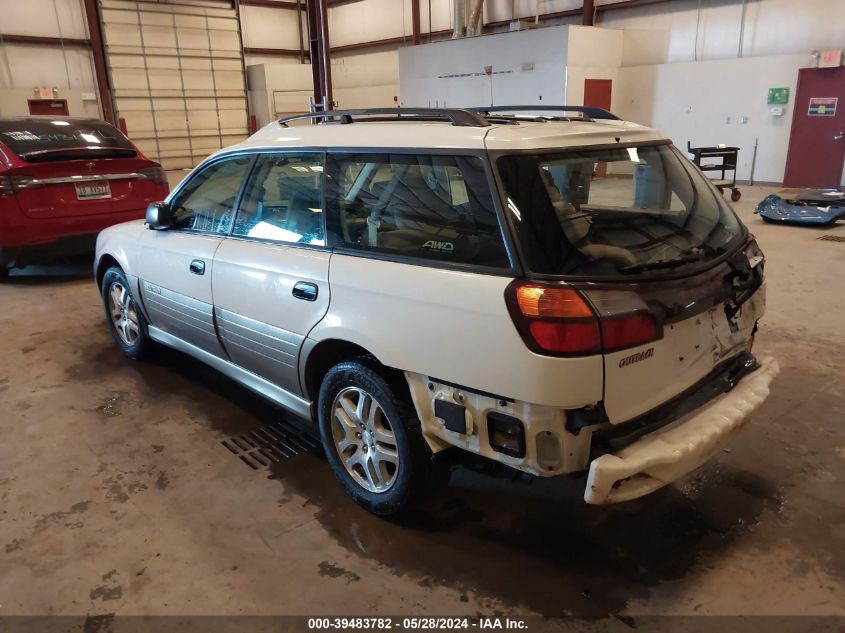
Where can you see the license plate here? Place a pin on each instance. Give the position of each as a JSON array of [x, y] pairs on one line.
[[93, 190]]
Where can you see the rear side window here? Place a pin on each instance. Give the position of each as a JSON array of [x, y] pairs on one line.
[[207, 201], [58, 139], [283, 200], [430, 207]]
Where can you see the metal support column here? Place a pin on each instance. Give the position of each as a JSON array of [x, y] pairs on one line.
[[588, 12], [415, 21], [95, 33], [318, 42]]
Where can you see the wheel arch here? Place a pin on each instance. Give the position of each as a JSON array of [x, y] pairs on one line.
[[321, 356], [106, 261]]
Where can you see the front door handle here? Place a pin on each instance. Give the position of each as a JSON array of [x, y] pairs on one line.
[[197, 267], [305, 291], [838, 137]]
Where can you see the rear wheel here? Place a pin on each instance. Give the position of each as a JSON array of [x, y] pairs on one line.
[[372, 438], [126, 323]]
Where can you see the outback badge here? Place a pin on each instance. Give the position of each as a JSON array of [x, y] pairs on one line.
[[636, 358]]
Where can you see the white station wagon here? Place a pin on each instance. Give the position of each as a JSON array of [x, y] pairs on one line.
[[550, 288]]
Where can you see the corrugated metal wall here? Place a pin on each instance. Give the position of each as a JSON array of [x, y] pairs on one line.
[[177, 77]]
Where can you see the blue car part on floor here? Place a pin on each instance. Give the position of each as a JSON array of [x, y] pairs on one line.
[[803, 206]]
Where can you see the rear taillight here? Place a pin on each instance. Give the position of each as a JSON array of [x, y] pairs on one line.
[[155, 174], [11, 184], [628, 330], [558, 320]]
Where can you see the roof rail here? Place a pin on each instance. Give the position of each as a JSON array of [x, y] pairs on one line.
[[459, 117], [589, 112]]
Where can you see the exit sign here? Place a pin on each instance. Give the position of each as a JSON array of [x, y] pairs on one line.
[[778, 96], [830, 59]]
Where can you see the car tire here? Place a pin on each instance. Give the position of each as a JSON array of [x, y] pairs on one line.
[[375, 449], [4, 272], [126, 322]]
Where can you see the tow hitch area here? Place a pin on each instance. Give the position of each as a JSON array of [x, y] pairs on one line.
[[675, 450], [803, 206]]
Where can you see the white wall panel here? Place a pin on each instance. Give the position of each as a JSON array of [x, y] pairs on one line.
[[64, 18], [23, 67], [703, 102]]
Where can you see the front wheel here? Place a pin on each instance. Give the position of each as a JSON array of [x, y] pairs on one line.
[[126, 323], [372, 438]]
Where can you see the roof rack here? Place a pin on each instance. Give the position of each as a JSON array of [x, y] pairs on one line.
[[458, 117], [589, 112]]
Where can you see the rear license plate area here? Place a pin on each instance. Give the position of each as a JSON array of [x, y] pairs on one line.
[[93, 190]]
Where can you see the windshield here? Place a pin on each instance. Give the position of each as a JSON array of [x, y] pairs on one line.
[[58, 139], [611, 212]]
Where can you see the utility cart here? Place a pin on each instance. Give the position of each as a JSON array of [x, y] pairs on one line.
[[721, 159]]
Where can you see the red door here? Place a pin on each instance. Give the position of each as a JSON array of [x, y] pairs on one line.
[[50, 107], [816, 144], [597, 95]]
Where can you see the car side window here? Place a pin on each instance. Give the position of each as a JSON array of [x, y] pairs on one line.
[[431, 207], [284, 200], [207, 201]]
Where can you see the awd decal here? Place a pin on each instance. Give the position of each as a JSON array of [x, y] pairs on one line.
[[441, 247], [636, 358], [151, 288]]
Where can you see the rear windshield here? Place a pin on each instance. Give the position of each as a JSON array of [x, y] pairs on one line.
[[58, 139], [619, 211]]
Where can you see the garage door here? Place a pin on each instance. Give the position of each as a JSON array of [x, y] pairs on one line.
[[177, 77]]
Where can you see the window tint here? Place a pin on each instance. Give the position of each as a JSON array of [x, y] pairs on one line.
[[432, 207], [207, 201], [283, 200], [49, 139]]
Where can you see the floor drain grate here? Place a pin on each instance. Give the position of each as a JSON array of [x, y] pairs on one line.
[[266, 445], [833, 238]]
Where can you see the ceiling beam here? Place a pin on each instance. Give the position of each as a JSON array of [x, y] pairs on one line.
[[286, 4], [272, 52], [8, 38]]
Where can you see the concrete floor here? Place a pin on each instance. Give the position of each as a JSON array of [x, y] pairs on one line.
[[117, 496]]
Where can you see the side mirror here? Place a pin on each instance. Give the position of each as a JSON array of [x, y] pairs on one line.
[[159, 216]]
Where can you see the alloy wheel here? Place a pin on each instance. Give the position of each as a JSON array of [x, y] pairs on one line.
[[124, 314], [364, 440]]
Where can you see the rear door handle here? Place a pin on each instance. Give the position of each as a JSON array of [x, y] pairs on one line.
[[197, 267], [838, 137], [305, 291]]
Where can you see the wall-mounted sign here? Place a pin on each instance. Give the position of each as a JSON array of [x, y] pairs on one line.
[[778, 96], [830, 59], [822, 106]]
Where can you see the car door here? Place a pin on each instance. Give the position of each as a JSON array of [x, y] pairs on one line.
[[270, 279], [175, 264]]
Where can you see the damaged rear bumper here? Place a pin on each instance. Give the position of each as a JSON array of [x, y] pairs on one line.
[[673, 451]]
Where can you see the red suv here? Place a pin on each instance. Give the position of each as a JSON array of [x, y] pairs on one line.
[[62, 181]]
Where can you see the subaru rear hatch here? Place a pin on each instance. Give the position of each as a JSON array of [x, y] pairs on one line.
[[668, 270]]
